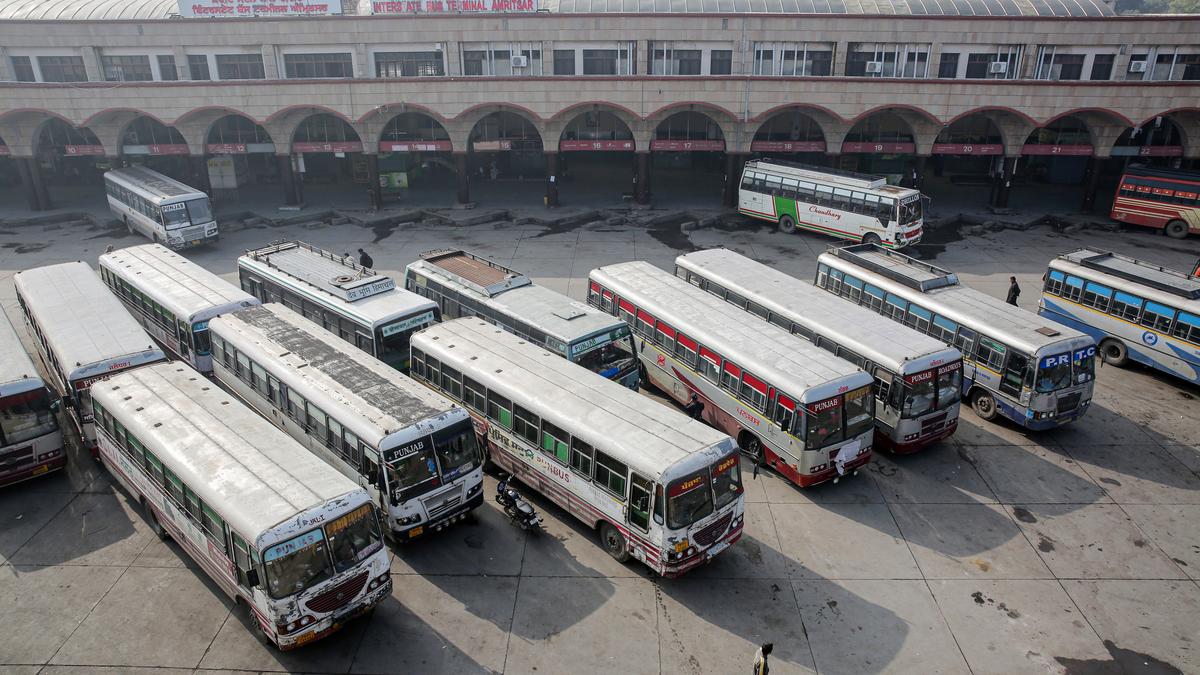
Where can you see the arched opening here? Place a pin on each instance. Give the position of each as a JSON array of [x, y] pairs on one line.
[[239, 153], [505, 160], [328, 156], [791, 134], [10, 177], [415, 158], [967, 155], [1058, 153], [882, 144], [72, 160], [687, 160], [596, 156], [150, 143], [1156, 143]]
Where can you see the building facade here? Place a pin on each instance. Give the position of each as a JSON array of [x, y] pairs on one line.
[[397, 87]]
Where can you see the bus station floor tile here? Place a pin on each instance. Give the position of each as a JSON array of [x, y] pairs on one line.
[[1034, 475], [961, 541], [1173, 529], [1139, 474], [843, 541], [935, 475], [1154, 622], [43, 606]]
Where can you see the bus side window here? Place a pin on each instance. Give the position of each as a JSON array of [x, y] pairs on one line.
[[883, 385], [660, 504], [1054, 282], [1097, 295], [185, 335], [370, 471], [241, 559], [639, 502]]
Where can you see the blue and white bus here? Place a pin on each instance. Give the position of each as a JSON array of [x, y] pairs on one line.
[[1029, 369], [1136, 310]]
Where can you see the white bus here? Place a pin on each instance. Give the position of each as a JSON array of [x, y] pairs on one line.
[[172, 297], [1036, 373], [82, 332], [918, 379], [655, 485], [413, 451], [1136, 310], [294, 543], [160, 208], [842, 204], [30, 440], [467, 285], [355, 303], [790, 405]]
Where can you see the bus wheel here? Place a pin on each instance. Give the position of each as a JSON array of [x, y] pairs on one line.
[[871, 238], [155, 526], [786, 224], [613, 542], [256, 628], [128, 227], [984, 406], [753, 447], [1176, 229], [1114, 352]]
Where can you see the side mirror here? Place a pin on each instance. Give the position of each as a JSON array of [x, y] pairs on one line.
[[55, 405], [252, 578]]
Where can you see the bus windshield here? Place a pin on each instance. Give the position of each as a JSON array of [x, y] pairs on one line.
[[934, 389], [392, 339], [910, 212], [824, 422], [413, 474], [199, 210], [949, 385], [457, 450], [609, 358], [353, 537], [689, 499], [1062, 370], [26, 416], [174, 215], [297, 564]]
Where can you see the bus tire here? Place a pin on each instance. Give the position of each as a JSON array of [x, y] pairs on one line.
[[151, 517], [1176, 229], [749, 444], [984, 405], [786, 224], [1114, 352], [128, 227], [255, 627], [871, 238], [613, 542]]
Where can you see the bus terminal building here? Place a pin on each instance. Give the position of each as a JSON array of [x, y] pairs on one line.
[[632, 97]]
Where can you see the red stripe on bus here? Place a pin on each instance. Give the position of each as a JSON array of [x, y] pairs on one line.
[[757, 384], [686, 341], [670, 332], [624, 304], [643, 315], [732, 369]]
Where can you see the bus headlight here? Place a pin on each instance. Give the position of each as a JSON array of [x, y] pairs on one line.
[[818, 468], [474, 489]]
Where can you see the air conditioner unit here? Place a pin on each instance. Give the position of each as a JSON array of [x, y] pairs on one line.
[[1137, 66], [998, 67], [520, 61], [874, 66]]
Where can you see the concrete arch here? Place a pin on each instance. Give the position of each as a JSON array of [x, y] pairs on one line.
[[464, 123], [1091, 116], [21, 127], [197, 124], [109, 148], [387, 111], [1014, 126], [1187, 120], [124, 130], [282, 124], [557, 125], [904, 111], [374, 125], [726, 121], [211, 113], [827, 122]]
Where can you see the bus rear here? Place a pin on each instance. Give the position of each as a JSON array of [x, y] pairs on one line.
[[30, 439], [922, 406], [1164, 199]]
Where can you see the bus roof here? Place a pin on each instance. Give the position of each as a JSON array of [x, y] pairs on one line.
[[83, 323], [17, 372], [977, 310], [1160, 172], [254, 475], [514, 295], [180, 285], [788, 362], [879, 339], [153, 185], [1170, 284], [647, 436], [842, 177], [375, 399], [334, 281]]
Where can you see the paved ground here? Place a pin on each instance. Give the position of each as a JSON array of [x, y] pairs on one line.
[[1074, 551]]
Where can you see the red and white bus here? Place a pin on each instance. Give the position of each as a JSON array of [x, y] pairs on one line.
[[30, 440], [1165, 199]]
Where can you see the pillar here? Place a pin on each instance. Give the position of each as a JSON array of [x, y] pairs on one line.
[[551, 179], [374, 188], [1005, 185], [291, 191], [200, 179], [733, 177], [1091, 179], [641, 178], [919, 169], [31, 191], [39, 184], [464, 178]]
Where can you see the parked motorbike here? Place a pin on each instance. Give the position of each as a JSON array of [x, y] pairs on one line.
[[517, 509]]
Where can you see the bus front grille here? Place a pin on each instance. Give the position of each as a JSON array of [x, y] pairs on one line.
[[1069, 402], [713, 531], [436, 506], [933, 424], [339, 596]]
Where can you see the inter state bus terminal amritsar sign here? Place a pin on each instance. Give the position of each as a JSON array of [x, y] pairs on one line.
[[449, 6], [236, 8]]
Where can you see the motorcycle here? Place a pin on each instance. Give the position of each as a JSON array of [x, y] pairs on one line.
[[517, 509]]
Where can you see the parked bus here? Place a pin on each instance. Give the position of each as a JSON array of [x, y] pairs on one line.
[[1135, 310], [655, 485], [918, 379], [160, 208], [467, 285], [842, 204], [82, 333], [413, 451], [292, 542], [30, 441], [1016, 364], [352, 302], [172, 297], [789, 404], [1165, 199]]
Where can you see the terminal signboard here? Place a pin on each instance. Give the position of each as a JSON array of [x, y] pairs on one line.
[[446, 6], [247, 8]]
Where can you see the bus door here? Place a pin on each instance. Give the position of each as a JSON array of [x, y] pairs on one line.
[[184, 333]]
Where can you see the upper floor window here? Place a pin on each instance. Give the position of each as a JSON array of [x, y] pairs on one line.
[[305, 66], [62, 69], [668, 60], [134, 68], [1164, 63], [887, 60], [514, 59], [23, 69], [1059, 64], [198, 67], [793, 59], [720, 62], [240, 67], [607, 61], [564, 61], [409, 64], [166, 67]]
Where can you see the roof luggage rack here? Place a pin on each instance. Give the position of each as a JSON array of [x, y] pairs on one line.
[[478, 274], [925, 277], [353, 282]]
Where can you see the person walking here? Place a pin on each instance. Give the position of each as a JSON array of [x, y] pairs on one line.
[[1014, 291], [694, 408], [760, 659], [365, 260]]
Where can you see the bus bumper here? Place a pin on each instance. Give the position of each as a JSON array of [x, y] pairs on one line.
[[442, 522], [42, 469], [335, 623], [919, 444], [671, 571], [1056, 421], [809, 480]]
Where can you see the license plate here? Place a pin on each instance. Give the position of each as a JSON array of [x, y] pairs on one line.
[[306, 638], [195, 242], [416, 532], [41, 469]]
